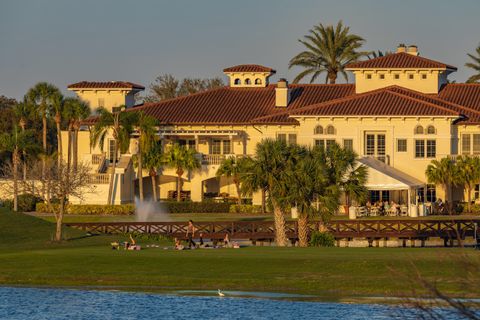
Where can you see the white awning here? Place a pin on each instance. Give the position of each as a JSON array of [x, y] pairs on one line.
[[384, 177]]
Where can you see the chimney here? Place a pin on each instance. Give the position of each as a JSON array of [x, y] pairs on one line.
[[401, 48], [413, 50], [282, 94]]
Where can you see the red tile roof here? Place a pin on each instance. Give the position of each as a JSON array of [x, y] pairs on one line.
[[381, 102], [399, 60], [249, 68], [105, 85], [229, 106], [465, 94]]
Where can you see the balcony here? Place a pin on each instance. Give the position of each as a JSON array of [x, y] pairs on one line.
[[99, 178]]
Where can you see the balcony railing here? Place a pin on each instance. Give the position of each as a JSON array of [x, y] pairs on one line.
[[99, 178], [97, 158], [216, 159]]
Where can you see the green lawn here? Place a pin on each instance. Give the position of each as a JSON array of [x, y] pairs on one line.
[[28, 257]]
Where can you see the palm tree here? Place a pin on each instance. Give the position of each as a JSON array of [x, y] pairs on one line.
[[273, 160], [328, 50], [469, 175], [16, 142], [146, 126], [75, 110], [252, 179], [377, 54], [120, 124], [42, 96], [475, 65], [443, 172], [233, 168], [23, 111], [181, 159], [153, 159]]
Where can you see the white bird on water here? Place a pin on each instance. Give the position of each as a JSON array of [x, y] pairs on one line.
[[220, 293]]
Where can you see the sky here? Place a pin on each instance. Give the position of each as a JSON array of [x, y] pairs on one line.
[[66, 41]]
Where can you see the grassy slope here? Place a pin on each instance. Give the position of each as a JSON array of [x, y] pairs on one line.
[[27, 257]]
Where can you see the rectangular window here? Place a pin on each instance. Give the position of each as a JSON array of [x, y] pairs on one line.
[[368, 76], [466, 144], [370, 147], [348, 144], [111, 150], [292, 138], [419, 148], [216, 147], [476, 193], [282, 137], [382, 76], [329, 143], [374, 196], [396, 76], [320, 143], [101, 102], [401, 145], [431, 148], [227, 147], [476, 144], [424, 76], [410, 76], [421, 194]]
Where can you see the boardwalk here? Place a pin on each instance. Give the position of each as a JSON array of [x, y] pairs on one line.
[[264, 230]]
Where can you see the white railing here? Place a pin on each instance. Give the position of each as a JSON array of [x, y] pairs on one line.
[[99, 178], [216, 159]]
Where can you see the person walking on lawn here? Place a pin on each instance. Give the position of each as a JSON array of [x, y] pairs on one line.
[[190, 234]]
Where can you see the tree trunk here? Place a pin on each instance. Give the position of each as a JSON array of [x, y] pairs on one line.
[[303, 230], [140, 173], [469, 194], [179, 185], [44, 141], [154, 187], [112, 174], [237, 186], [59, 138], [15, 182], [332, 77], [280, 234], [58, 232], [264, 209], [24, 153]]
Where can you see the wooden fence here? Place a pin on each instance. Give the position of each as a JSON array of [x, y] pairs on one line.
[[264, 230]]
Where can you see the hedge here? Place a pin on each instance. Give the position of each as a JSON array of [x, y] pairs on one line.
[[26, 202], [196, 207], [245, 208], [93, 209], [322, 239]]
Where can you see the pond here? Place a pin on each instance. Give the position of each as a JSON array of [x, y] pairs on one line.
[[39, 303]]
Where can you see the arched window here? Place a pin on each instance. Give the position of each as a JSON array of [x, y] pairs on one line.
[[248, 81], [430, 130], [418, 130], [258, 81], [330, 130], [237, 81], [318, 130]]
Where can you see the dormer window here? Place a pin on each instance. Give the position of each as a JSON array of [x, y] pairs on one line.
[[418, 129], [238, 82], [248, 75], [248, 81], [258, 81], [318, 130]]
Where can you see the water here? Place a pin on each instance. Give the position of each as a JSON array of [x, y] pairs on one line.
[[146, 211], [53, 304]]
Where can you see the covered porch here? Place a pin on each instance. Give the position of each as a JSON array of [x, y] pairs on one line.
[[391, 192]]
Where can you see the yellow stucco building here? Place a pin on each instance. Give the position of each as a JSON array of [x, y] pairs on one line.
[[400, 113]]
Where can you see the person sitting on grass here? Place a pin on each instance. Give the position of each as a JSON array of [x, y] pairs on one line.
[[178, 244]]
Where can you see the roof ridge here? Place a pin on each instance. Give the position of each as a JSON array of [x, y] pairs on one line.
[[422, 101], [357, 65]]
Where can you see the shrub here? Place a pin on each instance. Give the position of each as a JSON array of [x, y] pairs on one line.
[[196, 207], [322, 239], [245, 208], [462, 208], [92, 209], [26, 202]]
